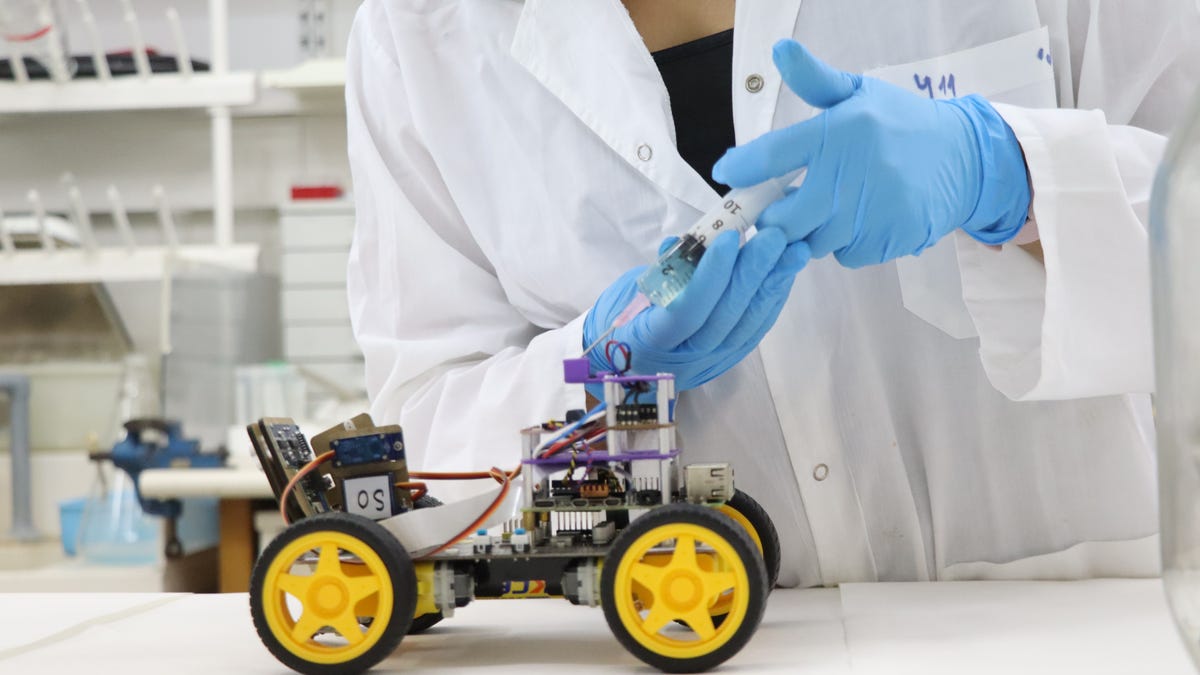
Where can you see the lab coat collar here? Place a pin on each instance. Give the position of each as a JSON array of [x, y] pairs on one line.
[[758, 26], [589, 55]]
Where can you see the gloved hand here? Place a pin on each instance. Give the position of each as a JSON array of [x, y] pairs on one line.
[[731, 302], [888, 172]]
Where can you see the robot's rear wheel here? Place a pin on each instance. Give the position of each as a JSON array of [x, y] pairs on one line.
[[334, 593], [753, 518], [675, 564]]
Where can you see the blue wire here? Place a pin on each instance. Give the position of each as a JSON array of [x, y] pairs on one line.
[[567, 430], [616, 344]]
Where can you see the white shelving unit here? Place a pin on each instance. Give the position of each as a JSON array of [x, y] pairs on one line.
[[317, 335], [314, 75], [112, 264], [217, 91], [159, 92]]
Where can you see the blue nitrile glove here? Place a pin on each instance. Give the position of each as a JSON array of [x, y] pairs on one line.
[[889, 172], [731, 302]]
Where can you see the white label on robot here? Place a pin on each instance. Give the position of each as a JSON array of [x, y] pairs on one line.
[[370, 496]]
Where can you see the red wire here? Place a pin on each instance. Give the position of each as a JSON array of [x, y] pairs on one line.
[[505, 482], [572, 440], [419, 489], [463, 475], [30, 37], [621, 347], [559, 445], [505, 479]]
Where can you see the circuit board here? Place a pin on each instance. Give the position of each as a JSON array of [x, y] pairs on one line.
[[368, 468], [367, 474], [283, 450]]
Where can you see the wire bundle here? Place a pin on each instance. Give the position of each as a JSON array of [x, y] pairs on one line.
[[620, 348]]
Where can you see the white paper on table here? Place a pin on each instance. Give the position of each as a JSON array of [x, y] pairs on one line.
[[59, 617], [1098, 627], [422, 529]]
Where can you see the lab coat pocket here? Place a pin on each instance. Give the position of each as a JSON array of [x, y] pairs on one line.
[[1017, 70]]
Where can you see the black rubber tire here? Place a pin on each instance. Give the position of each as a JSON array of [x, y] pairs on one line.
[[400, 571], [422, 623], [724, 527], [765, 528]]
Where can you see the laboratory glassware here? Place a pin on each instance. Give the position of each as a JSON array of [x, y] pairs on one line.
[[1175, 247], [114, 530], [33, 29]]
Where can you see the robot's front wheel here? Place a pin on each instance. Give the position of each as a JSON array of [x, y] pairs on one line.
[[673, 565], [334, 593]]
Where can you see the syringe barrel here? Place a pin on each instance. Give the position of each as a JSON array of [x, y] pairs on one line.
[[738, 210]]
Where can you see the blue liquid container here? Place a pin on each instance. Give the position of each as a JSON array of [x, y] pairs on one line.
[[114, 529], [667, 278], [663, 281], [70, 512]]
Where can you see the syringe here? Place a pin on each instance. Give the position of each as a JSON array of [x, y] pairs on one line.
[[665, 279], [738, 210]]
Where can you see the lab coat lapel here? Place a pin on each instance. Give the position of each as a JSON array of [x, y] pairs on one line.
[[757, 27], [590, 57]]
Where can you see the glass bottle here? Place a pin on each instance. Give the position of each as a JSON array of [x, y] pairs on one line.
[[113, 529], [1175, 261]]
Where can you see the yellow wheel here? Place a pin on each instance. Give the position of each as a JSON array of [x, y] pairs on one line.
[[334, 593], [674, 564], [753, 518]]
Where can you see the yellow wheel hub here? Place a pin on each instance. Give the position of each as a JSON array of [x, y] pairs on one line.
[[721, 606], [333, 596], [702, 569], [742, 520]]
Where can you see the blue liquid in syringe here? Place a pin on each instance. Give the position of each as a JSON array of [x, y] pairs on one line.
[[666, 278]]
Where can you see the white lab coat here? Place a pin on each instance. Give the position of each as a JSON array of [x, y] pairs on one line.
[[980, 419]]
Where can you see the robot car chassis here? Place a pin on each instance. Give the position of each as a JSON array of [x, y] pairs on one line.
[[680, 561]]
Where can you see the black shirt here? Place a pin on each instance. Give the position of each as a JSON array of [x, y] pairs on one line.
[[697, 75]]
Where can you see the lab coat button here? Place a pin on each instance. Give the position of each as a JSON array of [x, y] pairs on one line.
[[644, 152], [754, 83], [820, 472]]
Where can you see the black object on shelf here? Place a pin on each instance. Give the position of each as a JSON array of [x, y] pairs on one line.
[[120, 64]]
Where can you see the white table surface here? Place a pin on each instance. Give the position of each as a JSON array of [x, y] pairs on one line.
[[1094, 627]]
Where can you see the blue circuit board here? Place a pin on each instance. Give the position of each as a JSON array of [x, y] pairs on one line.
[[367, 449]]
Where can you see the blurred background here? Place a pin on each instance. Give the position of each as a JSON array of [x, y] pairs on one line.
[[173, 240]]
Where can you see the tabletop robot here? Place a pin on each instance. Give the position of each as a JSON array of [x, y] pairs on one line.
[[680, 561]]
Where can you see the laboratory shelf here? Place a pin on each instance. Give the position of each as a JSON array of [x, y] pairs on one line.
[[311, 76], [156, 92], [144, 263]]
